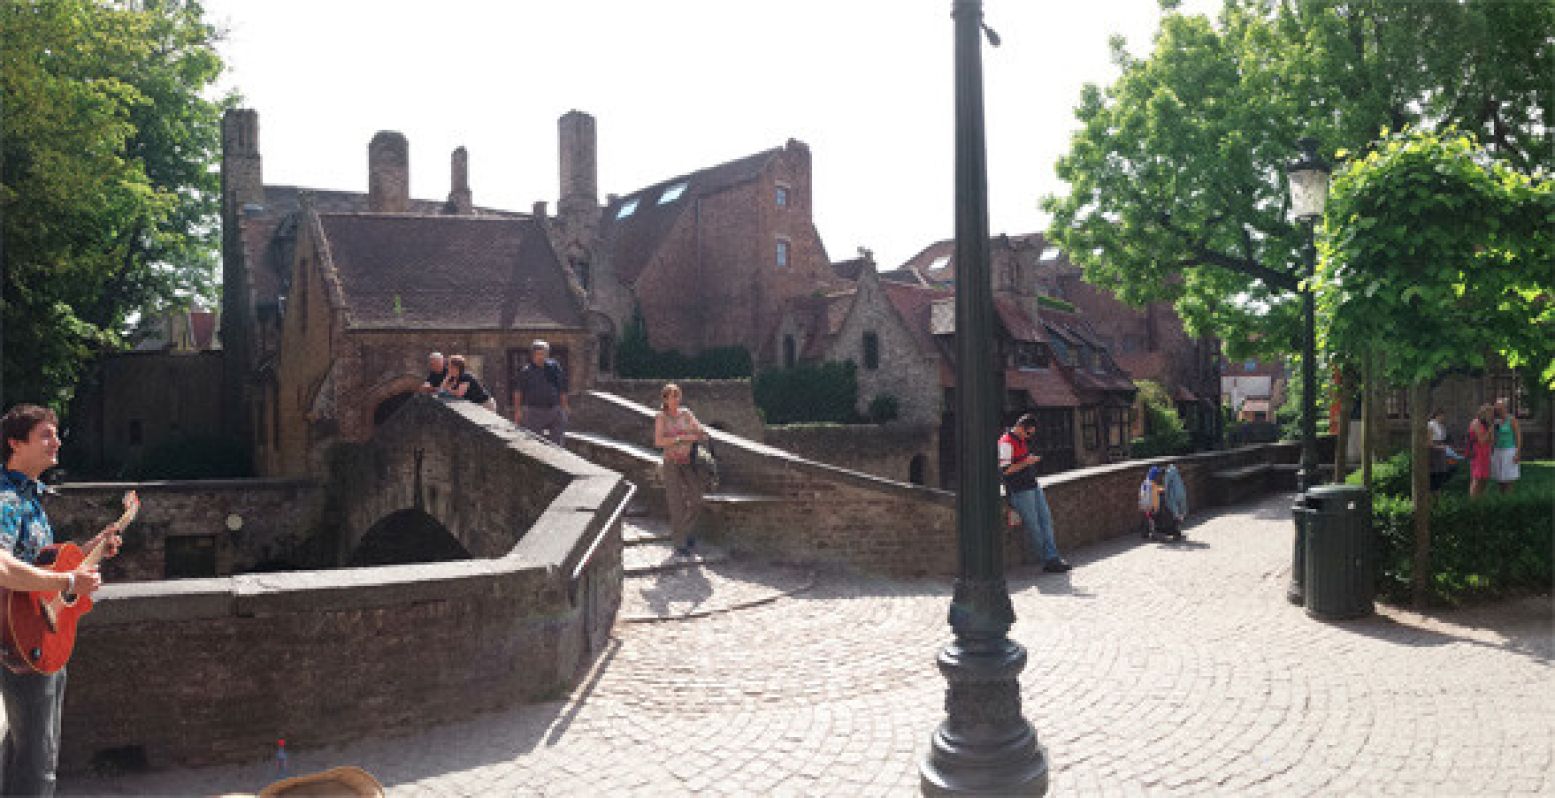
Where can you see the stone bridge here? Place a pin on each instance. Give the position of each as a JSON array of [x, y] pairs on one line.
[[441, 480]]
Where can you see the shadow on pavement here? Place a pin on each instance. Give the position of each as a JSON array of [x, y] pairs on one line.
[[1523, 626]]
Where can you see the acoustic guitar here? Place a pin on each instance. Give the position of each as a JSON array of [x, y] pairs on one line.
[[39, 629]]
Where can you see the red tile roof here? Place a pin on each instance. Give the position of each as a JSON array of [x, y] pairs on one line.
[[401, 271], [1046, 387]]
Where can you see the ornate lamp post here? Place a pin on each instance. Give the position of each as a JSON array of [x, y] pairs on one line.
[[1308, 194], [984, 745]]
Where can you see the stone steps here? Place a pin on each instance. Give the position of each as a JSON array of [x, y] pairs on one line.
[[657, 556]]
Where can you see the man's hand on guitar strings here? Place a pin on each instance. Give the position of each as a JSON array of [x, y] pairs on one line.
[[114, 539]]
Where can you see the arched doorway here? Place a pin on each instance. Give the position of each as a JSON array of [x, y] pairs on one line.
[[387, 407], [406, 537]]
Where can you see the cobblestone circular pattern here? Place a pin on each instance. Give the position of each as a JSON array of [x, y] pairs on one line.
[[1155, 669]]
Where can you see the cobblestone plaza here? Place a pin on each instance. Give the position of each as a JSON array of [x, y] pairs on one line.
[[1154, 669]]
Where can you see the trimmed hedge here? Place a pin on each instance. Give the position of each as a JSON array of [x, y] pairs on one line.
[[635, 359], [1484, 548], [809, 393]]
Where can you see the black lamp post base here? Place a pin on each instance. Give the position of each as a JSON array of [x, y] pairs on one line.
[[984, 746]]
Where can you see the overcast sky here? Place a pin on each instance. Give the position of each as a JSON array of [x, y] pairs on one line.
[[677, 85]]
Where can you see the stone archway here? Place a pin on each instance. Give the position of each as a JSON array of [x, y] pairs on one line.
[[406, 537], [387, 407]]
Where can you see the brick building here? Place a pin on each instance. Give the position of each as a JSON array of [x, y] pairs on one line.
[[333, 298], [1148, 343], [709, 258]]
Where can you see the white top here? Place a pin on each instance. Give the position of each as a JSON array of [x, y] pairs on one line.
[[1438, 431]]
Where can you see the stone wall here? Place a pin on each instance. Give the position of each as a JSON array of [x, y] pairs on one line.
[[477, 474], [134, 401], [202, 671], [885, 451], [903, 370], [728, 403], [277, 524], [775, 504]]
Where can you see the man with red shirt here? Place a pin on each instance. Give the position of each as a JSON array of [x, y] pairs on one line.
[[1018, 467]]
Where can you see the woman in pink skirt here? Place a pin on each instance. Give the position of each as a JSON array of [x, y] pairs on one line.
[[1479, 451]]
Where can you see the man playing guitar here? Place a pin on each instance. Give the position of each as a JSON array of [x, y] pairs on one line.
[[33, 701]]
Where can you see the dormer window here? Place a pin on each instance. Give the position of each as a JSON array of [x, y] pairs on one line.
[[627, 209], [939, 263], [672, 193]]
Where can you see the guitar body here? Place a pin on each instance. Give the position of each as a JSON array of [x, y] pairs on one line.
[[30, 641]]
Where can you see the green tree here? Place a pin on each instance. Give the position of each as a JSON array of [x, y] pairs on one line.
[[106, 177], [1177, 189], [1438, 257]]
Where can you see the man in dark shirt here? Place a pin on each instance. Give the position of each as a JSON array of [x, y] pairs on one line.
[[540, 395], [437, 373]]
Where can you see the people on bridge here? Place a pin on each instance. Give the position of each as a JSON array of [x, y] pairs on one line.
[[461, 383], [1506, 448], [675, 429], [1018, 465], [33, 701], [540, 395], [437, 373]]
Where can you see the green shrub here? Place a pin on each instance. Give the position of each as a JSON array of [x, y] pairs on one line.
[[636, 359], [1481, 548], [1055, 303], [884, 408], [808, 393], [1164, 430], [195, 457]]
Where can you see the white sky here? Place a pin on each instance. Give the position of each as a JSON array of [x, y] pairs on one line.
[[677, 85]]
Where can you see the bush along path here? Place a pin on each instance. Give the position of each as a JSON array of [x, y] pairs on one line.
[[1485, 548]]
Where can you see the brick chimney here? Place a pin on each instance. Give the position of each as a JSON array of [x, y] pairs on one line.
[[242, 171], [388, 173], [459, 198], [579, 165]]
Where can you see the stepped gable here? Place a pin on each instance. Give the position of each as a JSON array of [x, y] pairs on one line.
[[400, 271], [633, 241]]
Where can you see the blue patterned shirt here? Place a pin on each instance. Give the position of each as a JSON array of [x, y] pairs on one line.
[[24, 528]]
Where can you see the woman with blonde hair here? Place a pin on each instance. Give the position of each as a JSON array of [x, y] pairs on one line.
[[675, 429], [461, 383], [1479, 451]]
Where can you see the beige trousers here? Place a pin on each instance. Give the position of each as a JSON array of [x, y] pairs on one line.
[[683, 488]]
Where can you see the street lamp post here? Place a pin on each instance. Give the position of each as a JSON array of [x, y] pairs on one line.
[[1308, 194], [984, 745]]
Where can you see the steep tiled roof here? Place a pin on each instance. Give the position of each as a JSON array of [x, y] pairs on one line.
[[632, 241], [915, 304], [400, 271], [851, 268], [1016, 322], [1047, 388], [269, 230]]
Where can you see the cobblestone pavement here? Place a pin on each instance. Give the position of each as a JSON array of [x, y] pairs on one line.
[[1155, 669]]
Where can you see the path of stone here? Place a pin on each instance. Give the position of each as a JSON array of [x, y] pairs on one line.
[[1154, 669]]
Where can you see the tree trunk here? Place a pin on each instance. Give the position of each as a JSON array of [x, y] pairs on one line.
[[1420, 489], [1346, 388], [1368, 417]]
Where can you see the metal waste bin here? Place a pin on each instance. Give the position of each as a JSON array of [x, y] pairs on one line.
[[1340, 552]]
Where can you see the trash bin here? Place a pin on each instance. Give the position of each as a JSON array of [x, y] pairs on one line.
[[1340, 552]]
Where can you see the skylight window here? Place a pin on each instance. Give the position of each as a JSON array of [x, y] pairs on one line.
[[672, 193], [627, 209], [1050, 253], [939, 263]]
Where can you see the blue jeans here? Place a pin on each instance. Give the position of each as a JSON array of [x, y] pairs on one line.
[[33, 704], [1032, 507]]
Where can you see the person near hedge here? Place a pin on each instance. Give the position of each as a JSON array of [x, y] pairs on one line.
[[1441, 453], [461, 383], [1018, 467], [33, 701], [675, 429], [1479, 451], [1506, 448]]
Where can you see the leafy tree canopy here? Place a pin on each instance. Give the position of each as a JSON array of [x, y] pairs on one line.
[[1177, 185], [107, 180], [1438, 256]]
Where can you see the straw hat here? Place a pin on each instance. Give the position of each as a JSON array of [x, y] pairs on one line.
[[341, 782]]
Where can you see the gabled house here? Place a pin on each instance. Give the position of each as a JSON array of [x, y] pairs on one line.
[[709, 258]]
